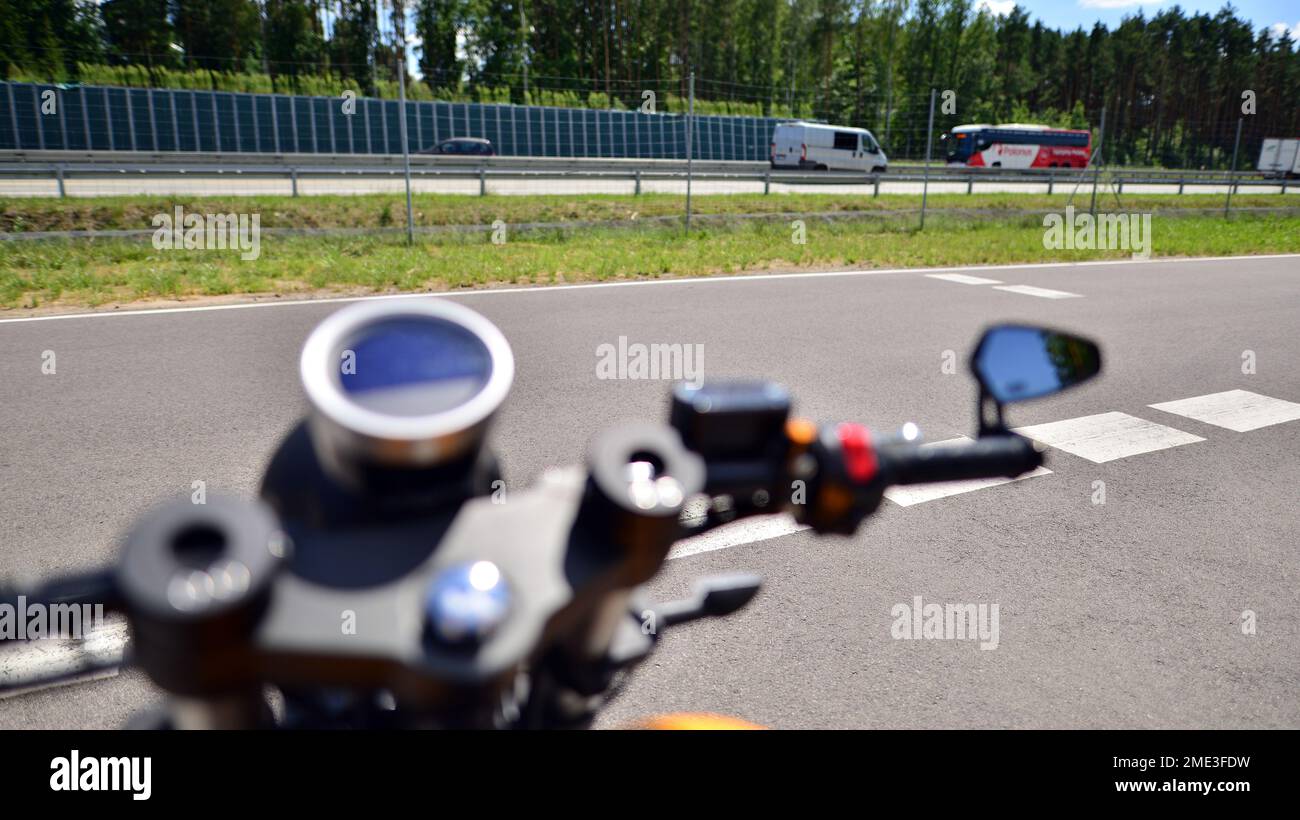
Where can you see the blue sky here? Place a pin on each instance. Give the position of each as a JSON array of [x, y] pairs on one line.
[[1070, 14]]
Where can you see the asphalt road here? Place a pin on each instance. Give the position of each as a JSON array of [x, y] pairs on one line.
[[1122, 614]]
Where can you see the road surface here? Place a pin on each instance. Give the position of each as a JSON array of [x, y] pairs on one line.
[[1127, 613]]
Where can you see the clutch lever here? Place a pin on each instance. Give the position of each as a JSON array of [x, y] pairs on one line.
[[712, 597]]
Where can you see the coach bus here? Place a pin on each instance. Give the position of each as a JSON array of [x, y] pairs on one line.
[[1017, 146]]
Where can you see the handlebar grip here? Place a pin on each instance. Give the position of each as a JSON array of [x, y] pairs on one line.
[[1003, 455]]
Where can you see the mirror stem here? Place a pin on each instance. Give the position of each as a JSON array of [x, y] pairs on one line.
[[987, 426]]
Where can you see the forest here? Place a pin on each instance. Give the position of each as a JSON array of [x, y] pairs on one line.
[[1171, 85]]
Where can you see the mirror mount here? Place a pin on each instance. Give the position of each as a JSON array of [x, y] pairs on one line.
[[990, 413]]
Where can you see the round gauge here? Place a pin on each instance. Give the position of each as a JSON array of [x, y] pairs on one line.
[[403, 383]]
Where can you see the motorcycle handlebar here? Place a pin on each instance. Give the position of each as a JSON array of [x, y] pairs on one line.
[[1001, 455]]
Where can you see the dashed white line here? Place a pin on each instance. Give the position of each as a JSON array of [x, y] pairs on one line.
[[1045, 293], [908, 495], [746, 531], [1107, 436], [1237, 410], [963, 279]]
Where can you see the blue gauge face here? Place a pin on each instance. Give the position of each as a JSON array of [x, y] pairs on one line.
[[414, 366]]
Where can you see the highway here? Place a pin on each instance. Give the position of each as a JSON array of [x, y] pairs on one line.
[[1126, 613]]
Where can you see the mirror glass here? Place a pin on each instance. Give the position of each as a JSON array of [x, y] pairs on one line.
[[1017, 362]]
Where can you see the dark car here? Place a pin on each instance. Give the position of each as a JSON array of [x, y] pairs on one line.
[[463, 147]]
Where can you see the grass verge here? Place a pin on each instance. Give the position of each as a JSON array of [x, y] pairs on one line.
[[79, 273], [19, 215]]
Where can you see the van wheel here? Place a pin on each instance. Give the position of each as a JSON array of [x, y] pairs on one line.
[[821, 167], [996, 165]]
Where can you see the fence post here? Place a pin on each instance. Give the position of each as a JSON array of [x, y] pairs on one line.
[[216, 122], [108, 116], [1096, 171], [40, 129], [13, 116], [63, 122], [1283, 184], [482, 181], [638, 183], [130, 119], [970, 185], [1181, 182], [1232, 173], [690, 128], [767, 182], [58, 171], [401, 123], [875, 186], [1051, 181], [257, 128], [275, 125], [293, 180], [929, 140]]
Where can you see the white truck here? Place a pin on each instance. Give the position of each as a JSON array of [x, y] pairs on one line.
[[1280, 158], [820, 147]]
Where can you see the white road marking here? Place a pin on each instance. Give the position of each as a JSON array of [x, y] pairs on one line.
[[906, 496], [1046, 293], [1107, 436], [963, 279], [764, 277], [746, 531], [59, 656], [1238, 410]]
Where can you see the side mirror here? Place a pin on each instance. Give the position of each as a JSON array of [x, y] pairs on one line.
[[1020, 362]]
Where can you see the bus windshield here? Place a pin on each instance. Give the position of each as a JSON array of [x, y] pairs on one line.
[[959, 146]]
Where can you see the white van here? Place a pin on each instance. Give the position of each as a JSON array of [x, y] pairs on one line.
[[1280, 158], [815, 146]]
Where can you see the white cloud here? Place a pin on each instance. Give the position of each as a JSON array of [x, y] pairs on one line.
[[1278, 29], [998, 8], [1109, 4]]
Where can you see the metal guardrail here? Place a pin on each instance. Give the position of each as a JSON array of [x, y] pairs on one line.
[[62, 166]]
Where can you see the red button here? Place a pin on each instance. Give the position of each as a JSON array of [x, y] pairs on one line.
[[859, 456]]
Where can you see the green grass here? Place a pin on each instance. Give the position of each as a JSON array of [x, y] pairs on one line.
[[388, 210], [89, 273]]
